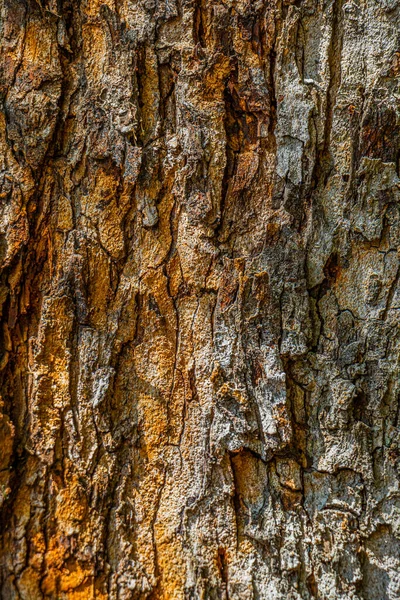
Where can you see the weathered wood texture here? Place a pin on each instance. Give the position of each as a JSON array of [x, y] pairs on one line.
[[200, 299]]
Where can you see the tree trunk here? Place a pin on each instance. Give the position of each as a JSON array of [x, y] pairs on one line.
[[200, 297]]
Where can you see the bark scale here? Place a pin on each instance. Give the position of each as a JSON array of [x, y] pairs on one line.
[[200, 299]]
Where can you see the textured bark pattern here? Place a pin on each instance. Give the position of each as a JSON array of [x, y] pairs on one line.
[[200, 296]]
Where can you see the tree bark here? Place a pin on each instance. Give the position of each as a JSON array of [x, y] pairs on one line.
[[200, 299]]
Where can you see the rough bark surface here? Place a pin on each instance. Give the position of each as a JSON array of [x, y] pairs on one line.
[[200, 297]]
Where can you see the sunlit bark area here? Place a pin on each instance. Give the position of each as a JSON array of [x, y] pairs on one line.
[[199, 344]]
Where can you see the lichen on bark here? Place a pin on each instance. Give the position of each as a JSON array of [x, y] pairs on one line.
[[200, 299]]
